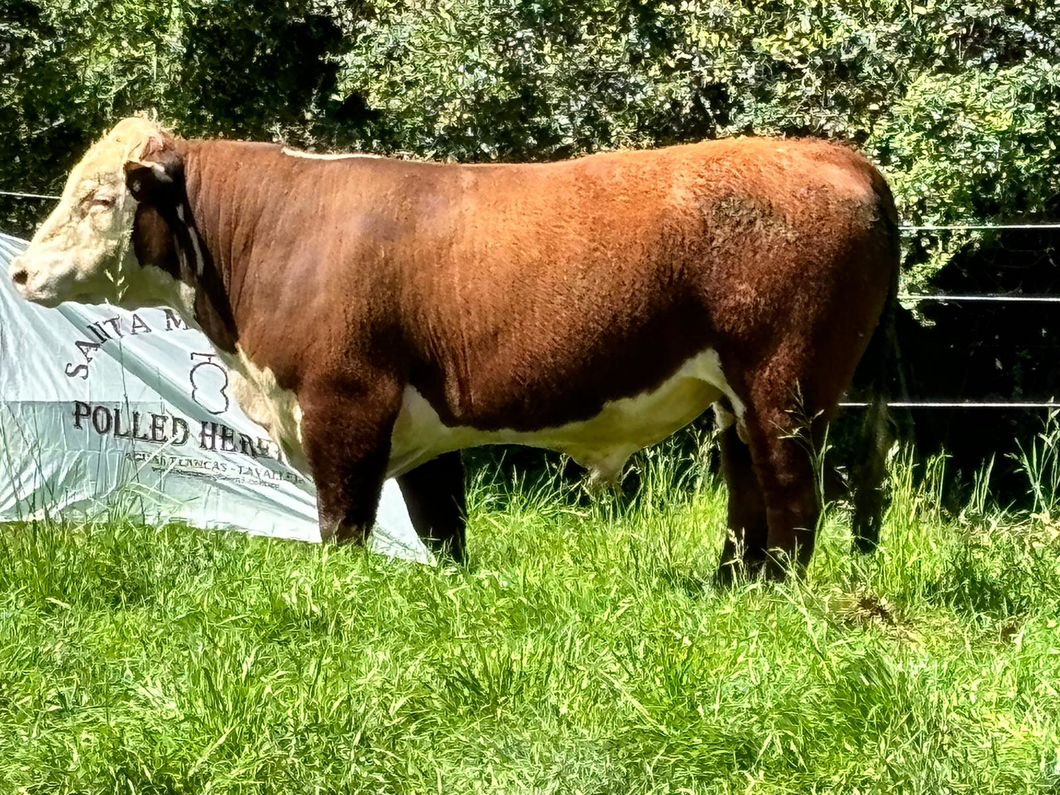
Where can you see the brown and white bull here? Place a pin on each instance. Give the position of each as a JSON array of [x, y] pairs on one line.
[[384, 314]]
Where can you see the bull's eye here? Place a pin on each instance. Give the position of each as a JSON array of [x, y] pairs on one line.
[[96, 201]]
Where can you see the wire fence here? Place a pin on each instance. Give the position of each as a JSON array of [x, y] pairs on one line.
[[18, 195], [973, 227], [969, 227], [958, 404], [941, 298], [984, 297]]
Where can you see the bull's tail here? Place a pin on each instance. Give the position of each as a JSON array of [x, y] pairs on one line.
[[875, 374]]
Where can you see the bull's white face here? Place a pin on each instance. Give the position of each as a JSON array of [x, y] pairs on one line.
[[82, 252]]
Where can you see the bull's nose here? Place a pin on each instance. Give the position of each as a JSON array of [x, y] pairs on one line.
[[18, 272]]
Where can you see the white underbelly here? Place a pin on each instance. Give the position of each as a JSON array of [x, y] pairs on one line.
[[602, 443]]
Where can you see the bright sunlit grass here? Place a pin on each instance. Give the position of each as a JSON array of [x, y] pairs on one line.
[[584, 650]]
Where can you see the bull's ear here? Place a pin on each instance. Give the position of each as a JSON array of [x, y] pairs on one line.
[[157, 171]]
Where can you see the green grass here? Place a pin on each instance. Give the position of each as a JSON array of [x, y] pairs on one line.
[[584, 650]]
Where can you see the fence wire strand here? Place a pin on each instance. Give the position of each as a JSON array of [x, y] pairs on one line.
[[18, 195], [957, 404]]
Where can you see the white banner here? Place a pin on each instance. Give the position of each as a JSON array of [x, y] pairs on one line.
[[105, 409]]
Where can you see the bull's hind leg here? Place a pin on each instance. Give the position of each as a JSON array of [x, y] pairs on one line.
[[434, 495], [745, 542], [781, 448]]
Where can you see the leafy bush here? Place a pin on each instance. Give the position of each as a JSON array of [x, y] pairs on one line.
[[957, 101]]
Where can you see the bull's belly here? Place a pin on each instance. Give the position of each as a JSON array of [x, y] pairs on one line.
[[602, 443]]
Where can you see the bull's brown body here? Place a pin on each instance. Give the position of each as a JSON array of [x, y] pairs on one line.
[[530, 302]]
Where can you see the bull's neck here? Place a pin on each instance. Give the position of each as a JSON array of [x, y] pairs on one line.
[[208, 270]]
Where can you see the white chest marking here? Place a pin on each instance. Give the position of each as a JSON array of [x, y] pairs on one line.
[[266, 403], [602, 443]]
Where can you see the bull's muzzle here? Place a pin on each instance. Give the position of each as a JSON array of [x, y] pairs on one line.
[[19, 275], [26, 284]]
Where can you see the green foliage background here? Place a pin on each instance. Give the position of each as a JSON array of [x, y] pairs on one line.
[[958, 101]]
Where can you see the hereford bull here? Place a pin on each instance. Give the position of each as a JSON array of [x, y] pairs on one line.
[[384, 313]]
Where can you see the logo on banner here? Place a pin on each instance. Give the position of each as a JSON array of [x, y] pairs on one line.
[[209, 379]]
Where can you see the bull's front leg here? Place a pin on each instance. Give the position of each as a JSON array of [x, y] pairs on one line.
[[346, 431]]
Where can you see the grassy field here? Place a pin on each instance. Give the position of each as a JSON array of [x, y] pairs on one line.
[[584, 650]]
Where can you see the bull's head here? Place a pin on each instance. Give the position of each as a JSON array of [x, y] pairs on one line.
[[84, 250]]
